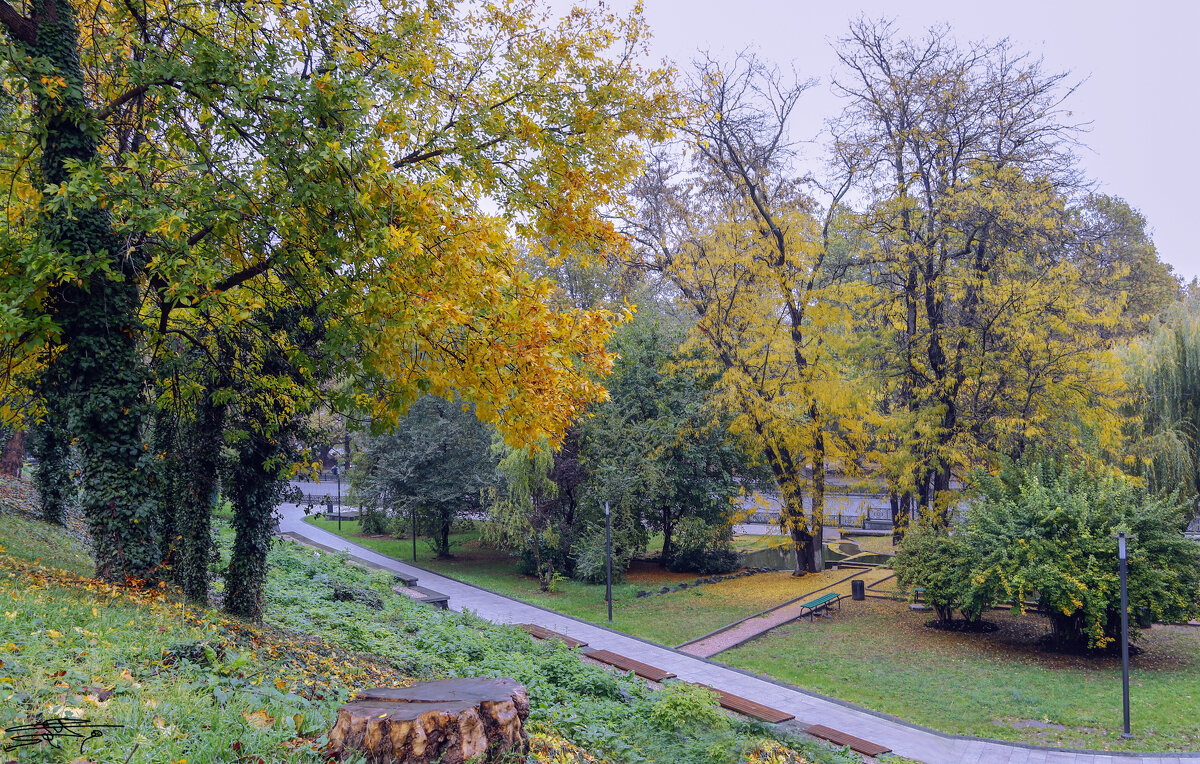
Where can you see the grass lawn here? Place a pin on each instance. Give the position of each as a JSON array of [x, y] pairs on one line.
[[669, 619], [880, 655], [872, 543], [752, 543]]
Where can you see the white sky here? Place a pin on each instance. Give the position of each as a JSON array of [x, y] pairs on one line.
[[1139, 60]]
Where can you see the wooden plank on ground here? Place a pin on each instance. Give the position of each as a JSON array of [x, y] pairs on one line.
[[541, 632], [645, 671], [748, 707], [865, 747]]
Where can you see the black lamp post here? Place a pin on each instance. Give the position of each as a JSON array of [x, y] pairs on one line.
[[338, 475], [1123, 557], [608, 559]]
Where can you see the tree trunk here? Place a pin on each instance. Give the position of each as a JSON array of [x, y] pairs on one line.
[[668, 550], [100, 364], [444, 537], [201, 454], [449, 721], [56, 486], [13, 456], [254, 488], [818, 497]]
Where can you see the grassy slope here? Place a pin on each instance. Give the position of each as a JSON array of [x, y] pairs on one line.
[[666, 618], [72, 646], [880, 655]]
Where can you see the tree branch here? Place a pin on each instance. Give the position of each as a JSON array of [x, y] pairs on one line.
[[19, 27]]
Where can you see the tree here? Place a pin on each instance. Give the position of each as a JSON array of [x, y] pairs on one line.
[[1164, 371], [992, 341], [1040, 528], [659, 449], [751, 253], [216, 160], [1121, 259], [436, 465], [526, 516]]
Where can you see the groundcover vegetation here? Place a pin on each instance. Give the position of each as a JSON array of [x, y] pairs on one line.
[[187, 685]]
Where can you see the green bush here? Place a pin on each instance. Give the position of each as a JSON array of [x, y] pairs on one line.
[[1039, 530], [944, 566], [590, 558], [702, 548]]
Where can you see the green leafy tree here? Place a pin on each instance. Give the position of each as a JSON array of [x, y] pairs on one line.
[[435, 465], [1045, 531], [660, 449], [1164, 368], [525, 516]]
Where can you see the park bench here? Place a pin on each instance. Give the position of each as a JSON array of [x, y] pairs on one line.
[[748, 707], [865, 747], [644, 670], [824, 601], [541, 632]]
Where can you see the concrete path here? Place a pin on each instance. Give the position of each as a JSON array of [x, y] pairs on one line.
[[755, 626], [904, 739]]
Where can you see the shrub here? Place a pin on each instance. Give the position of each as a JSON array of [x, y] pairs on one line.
[[590, 557], [1041, 530], [944, 566], [1051, 531], [702, 548]]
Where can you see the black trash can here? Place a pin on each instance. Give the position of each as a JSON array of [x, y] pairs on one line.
[[858, 589]]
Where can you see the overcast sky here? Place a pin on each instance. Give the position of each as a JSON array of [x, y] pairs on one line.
[[1138, 60]]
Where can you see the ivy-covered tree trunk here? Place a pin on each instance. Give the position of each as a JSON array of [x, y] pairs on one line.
[[254, 486], [201, 453], [95, 308], [168, 481], [49, 443]]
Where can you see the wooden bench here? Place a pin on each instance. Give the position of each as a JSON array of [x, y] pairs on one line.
[[541, 632], [824, 601], [748, 707], [645, 671], [865, 747]]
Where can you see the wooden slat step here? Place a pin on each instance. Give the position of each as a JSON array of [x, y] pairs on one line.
[[748, 707], [541, 632], [865, 747], [645, 671]]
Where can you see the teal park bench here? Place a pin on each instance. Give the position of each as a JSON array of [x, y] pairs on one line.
[[824, 601]]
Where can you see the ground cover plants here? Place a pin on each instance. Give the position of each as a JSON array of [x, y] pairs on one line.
[[187, 684], [1002, 684]]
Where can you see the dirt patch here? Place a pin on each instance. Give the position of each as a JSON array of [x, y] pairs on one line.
[[1163, 648], [961, 624], [649, 571]]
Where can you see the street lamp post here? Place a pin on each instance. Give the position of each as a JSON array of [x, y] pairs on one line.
[[338, 475], [1122, 556], [608, 559]]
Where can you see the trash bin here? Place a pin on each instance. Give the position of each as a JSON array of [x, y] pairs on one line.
[[858, 589]]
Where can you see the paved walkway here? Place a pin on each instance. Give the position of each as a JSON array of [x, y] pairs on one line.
[[749, 628], [904, 739]]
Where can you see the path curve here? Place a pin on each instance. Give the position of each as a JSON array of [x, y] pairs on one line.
[[903, 738]]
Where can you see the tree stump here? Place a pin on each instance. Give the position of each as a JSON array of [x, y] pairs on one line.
[[449, 721]]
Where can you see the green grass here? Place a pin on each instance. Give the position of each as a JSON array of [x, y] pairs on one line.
[[880, 655], [190, 685], [30, 540], [752, 543], [669, 619]]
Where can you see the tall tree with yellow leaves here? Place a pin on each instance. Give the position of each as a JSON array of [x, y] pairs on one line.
[[991, 340], [754, 255], [216, 159]]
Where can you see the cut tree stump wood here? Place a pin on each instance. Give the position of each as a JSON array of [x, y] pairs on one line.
[[449, 721]]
